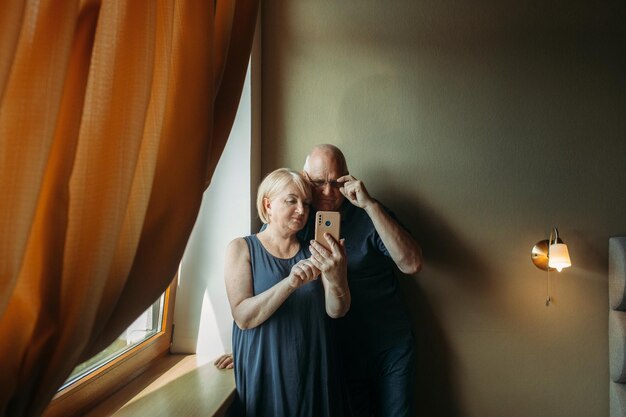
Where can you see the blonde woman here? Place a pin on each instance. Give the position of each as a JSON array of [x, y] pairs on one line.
[[282, 294]]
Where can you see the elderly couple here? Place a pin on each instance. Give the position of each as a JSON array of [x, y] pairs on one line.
[[334, 346]]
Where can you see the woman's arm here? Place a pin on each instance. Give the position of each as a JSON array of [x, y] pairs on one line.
[[251, 310], [334, 268]]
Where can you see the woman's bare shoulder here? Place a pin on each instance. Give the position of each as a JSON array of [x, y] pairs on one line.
[[237, 249]]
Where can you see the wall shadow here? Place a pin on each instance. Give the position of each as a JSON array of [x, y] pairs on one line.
[[435, 393], [442, 248]]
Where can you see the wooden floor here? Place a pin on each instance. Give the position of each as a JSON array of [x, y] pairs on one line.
[[180, 385]]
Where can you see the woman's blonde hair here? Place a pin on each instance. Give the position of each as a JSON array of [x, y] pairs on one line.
[[276, 181]]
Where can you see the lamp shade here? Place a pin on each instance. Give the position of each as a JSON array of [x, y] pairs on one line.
[[558, 256]]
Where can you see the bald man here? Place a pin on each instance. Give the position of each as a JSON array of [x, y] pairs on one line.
[[375, 335]]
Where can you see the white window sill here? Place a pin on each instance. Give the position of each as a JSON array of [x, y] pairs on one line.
[[177, 385]]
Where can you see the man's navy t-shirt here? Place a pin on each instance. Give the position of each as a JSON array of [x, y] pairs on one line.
[[377, 318]]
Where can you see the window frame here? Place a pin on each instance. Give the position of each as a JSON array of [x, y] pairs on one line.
[[85, 393]]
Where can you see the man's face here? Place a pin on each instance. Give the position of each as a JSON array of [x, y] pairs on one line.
[[322, 172]]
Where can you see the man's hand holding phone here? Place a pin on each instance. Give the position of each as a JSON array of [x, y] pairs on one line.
[[328, 252]]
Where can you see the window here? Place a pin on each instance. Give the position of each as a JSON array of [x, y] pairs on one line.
[[145, 340], [147, 325]]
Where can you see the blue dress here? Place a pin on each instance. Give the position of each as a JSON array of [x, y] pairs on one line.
[[287, 366]]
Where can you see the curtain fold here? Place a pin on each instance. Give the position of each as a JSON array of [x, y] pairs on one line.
[[113, 115]]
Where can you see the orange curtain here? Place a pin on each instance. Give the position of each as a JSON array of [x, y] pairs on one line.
[[113, 115]]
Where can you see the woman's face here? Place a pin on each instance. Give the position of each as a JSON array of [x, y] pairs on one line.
[[288, 210]]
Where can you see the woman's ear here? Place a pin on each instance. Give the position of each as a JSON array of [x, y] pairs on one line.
[[267, 205]]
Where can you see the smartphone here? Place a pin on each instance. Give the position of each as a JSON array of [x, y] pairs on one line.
[[327, 222]]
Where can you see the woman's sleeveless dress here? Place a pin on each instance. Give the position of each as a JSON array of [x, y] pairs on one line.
[[287, 366]]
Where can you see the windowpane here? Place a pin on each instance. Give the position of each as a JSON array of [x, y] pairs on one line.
[[146, 325]]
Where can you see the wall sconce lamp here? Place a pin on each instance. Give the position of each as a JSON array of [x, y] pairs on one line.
[[551, 254]]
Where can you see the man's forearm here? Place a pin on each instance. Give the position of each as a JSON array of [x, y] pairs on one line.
[[404, 250]]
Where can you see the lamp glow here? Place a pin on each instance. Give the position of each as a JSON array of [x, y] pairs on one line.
[[550, 254], [558, 256]]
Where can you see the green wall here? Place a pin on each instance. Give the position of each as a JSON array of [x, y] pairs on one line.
[[482, 124]]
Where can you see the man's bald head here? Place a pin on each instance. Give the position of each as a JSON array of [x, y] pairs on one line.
[[327, 153], [324, 164]]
